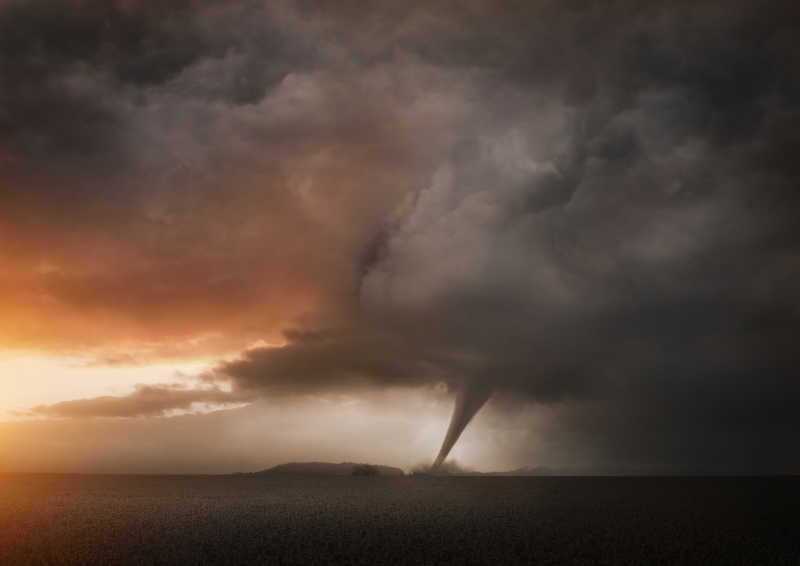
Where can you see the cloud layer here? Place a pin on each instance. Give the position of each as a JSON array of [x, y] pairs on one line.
[[584, 206]]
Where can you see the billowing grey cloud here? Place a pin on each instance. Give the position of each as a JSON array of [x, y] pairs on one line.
[[590, 206], [341, 358]]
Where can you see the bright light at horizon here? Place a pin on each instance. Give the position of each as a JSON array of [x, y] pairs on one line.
[[50, 379]]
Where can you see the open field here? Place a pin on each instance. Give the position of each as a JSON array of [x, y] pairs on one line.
[[52, 519]]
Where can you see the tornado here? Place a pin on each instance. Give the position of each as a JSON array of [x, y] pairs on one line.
[[469, 400]]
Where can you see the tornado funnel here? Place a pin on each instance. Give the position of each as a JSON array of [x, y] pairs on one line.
[[469, 400]]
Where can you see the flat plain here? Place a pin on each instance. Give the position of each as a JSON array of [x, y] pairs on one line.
[[285, 519]]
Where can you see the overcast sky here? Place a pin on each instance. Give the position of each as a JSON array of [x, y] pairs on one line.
[[237, 233]]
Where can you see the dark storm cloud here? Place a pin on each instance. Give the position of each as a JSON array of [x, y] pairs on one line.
[[612, 238], [582, 204], [66, 65], [333, 359]]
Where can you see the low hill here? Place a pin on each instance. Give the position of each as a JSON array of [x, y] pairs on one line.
[[333, 469]]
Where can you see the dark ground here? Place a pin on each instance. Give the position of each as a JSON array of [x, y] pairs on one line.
[[411, 520]]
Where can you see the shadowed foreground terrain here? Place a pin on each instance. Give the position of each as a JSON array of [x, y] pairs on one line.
[[50, 519]]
